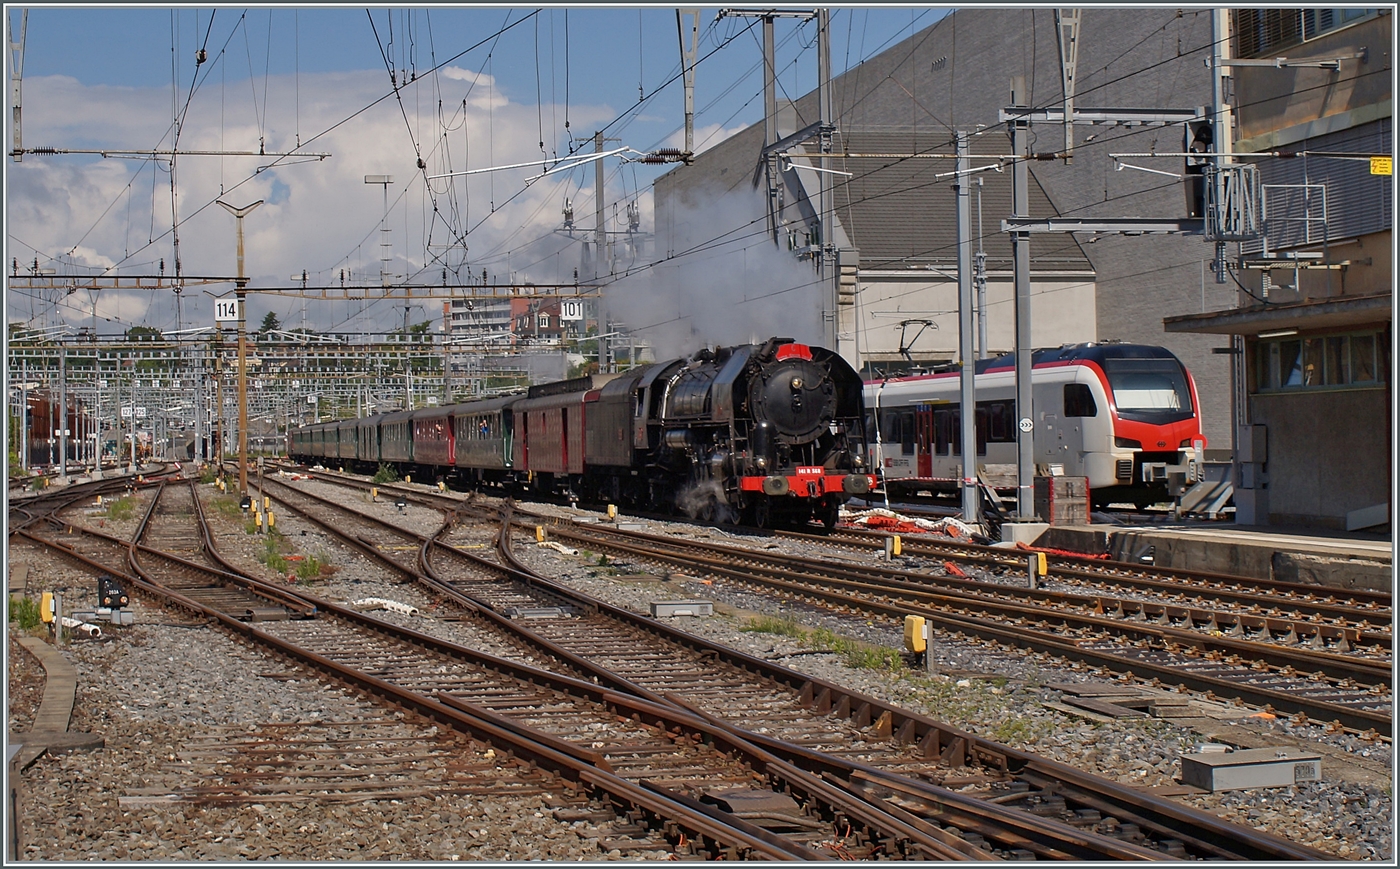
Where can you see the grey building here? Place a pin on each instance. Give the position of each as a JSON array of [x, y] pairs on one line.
[[1312, 318], [888, 291]]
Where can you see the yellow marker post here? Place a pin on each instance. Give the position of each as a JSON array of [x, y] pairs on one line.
[[257, 519], [914, 634], [612, 511], [46, 606], [267, 502], [408, 478], [270, 520], [898, 546], [539, 534], [1036, 568], [374, 493]]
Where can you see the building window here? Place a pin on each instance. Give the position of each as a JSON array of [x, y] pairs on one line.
[[1323, 362], [1261, 32], [543, 321]]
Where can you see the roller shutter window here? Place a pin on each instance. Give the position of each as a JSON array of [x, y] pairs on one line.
[[1268, 31]]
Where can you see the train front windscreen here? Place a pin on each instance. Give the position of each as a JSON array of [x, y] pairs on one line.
[[1149, 390]]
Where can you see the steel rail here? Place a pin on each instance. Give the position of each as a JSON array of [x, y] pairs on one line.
[[936, 740], [735, 839], [1045, 641], [1232, 587]]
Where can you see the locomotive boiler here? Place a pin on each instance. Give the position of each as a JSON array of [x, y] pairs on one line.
[[763, 433]]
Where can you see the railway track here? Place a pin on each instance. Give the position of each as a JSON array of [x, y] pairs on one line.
[[1365, 610], [580, 778], [1327, 686], [1301, 663], [873, 738]]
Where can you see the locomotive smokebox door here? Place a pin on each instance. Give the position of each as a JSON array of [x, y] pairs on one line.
[[796, 396]]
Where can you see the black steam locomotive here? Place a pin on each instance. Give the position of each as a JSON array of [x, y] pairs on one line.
[[765, 434]]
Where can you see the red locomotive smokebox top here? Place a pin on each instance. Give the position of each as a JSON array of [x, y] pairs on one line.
[[790, 351]]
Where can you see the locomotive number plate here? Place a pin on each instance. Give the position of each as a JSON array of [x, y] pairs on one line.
[[808, 471]]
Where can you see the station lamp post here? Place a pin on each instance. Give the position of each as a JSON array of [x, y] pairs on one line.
[[241, 290]]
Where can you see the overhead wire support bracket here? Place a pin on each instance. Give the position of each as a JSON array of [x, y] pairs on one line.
[[1129, 117], [788, 164], [581, 160], [802, 135], [1128, 225], [1333, 63], [143, 154]]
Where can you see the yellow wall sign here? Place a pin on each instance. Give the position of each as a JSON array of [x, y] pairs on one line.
[[1382, 165]]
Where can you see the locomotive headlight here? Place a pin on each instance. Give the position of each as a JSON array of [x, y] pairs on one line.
[[796, 383], [858, 461]]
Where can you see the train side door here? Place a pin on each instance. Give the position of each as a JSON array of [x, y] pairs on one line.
[[923, 440]]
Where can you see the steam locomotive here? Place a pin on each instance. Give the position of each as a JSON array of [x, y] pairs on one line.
[[764, 434]]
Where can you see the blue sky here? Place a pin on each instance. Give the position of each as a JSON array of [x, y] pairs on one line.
[[508, 79]]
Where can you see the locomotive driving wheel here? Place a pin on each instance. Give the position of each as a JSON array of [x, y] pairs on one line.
[[760, 514]]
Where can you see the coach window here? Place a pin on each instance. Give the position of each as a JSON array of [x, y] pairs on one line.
[[906, 430], [947, 432], [1079, 400]]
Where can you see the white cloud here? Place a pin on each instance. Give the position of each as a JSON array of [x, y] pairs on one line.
[[318, 215], [706, 136]]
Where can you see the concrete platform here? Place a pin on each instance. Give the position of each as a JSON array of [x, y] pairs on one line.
[[1332, 559]]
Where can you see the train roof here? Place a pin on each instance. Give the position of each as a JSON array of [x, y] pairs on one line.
[[486, 405], [1079, 353], [577, 384], [1092, 352]]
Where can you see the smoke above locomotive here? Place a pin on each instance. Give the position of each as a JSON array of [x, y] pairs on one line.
[[716, 279]]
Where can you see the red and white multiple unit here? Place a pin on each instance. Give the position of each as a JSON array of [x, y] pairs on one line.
[[1118, 414]]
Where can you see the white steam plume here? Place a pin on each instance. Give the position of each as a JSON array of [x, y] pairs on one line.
[[717, 279]]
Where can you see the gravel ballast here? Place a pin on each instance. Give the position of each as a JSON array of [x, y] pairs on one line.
[[164, 682]]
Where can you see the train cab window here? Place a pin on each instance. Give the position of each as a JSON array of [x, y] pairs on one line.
[[1149, 385], [1079, 400]]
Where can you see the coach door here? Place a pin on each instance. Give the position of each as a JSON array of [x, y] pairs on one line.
[[923, 441]]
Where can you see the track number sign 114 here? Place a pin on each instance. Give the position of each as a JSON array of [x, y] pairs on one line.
[[225, 310]]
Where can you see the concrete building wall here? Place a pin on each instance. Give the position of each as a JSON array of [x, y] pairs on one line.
[[1324, 449], [1282, 102], [1064, 315], [956, 75]]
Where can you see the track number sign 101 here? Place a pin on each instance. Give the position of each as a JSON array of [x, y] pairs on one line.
[[225, 310]]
